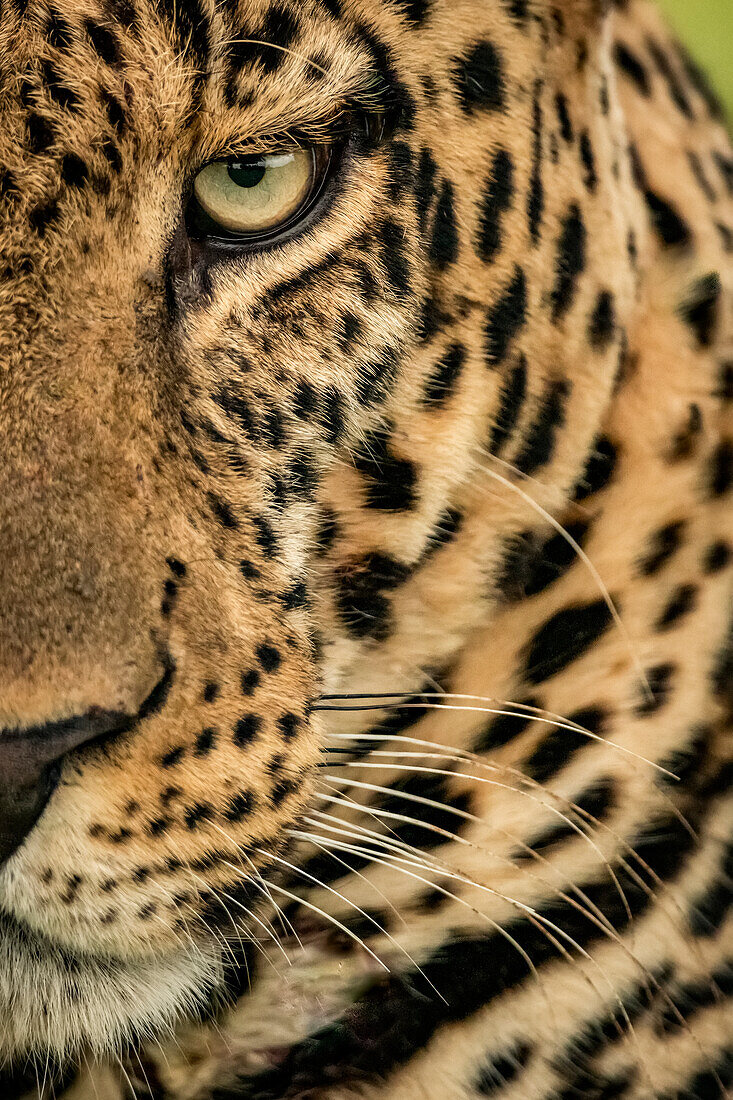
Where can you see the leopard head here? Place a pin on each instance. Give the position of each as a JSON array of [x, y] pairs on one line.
[[274, 278]]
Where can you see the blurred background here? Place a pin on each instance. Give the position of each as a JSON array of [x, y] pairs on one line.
[[706, 27]]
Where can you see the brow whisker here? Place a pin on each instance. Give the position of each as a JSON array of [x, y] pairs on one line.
[[281, 49]]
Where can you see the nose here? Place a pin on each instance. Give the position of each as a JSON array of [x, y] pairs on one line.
[[30, 765]]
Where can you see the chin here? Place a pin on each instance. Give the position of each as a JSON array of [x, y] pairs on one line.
[[54, 1004]]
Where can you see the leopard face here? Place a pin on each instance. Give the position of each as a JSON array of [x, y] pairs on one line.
[[233, 466]]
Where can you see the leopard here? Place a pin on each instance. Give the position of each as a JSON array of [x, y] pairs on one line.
[[366, 659]]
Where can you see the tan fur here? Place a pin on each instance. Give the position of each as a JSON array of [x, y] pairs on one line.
[[100, 489]]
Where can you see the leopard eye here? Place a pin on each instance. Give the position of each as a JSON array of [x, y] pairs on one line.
[[257, 197]]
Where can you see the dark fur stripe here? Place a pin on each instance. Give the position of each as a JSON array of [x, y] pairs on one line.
[[502, 1069], [565, 638], [512, 399], [190, 26], [539, 446], [398, 1018], [689, 998], [710, 1082]]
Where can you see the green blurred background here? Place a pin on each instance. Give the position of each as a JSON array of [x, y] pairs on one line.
[[706, 27]]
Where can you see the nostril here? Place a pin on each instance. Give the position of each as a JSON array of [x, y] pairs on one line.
[[26, 753], [30, 766], [20, 808], [30, 759]]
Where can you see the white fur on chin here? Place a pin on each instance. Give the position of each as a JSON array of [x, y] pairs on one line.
[[53, 1003]]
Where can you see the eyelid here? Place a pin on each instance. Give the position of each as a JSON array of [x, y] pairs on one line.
[[351, 124], [260, 153], [271, 160]]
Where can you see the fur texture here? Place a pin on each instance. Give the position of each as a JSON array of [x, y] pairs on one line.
[[463, 440]]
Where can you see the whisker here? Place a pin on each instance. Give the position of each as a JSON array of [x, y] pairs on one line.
[[90, 1076], [450, 752], [162, 1051], [455, 838], [215, 934], [362, 912], [333, 920], [439, 867], [503, 786], [602, 587], [543, 924], [553, 809], [587, 904], [495, 893], [47, 1067], [219, 894], [281, 49], [241, 853], [432, 804], [662, 886], [352, 871], [142, 1069], [125, 1074], [528, 479], [355, 849], [557, 722], [326, 822]]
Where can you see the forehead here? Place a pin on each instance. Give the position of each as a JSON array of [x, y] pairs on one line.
[[274, 62]]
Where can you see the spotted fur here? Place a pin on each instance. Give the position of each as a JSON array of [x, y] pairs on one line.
[[462, 445]]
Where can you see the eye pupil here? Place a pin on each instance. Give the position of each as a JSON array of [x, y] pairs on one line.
[[252, 198], [246, 174]]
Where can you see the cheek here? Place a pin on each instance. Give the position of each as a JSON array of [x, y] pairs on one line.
[[143, 835]]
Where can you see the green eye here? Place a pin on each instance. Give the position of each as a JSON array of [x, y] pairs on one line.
[[258, 196]]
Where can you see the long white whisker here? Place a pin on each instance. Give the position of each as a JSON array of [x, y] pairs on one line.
[[495, 783], [450, 752], [439, 867], [281, 49], [586, 907], [453, 837], [355, 849], [377, 838], [125, 1074], [327, 916], [216, 935], [523, 907], [602, 587], [347, 901], [219, 894], [536, 918], [558, 723], [258, 881], [372, 886], [142, 1069]]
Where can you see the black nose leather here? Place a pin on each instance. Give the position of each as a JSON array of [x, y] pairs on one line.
[[30, 764]]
